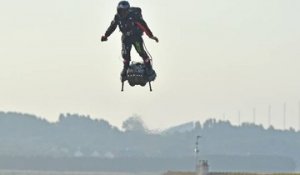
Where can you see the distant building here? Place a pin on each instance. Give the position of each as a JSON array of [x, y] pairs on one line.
[[78, 153], [202, 167], [109, 155], [95, 154]]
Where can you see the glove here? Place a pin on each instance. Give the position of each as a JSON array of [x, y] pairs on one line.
[[154, 38], [104, 38]]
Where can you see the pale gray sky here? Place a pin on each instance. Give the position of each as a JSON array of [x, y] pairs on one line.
[[215, 57]]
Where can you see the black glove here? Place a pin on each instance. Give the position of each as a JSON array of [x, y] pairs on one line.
[[104, 38], [154, 38]]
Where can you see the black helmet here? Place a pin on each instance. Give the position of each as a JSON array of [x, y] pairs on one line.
[[123, 6]]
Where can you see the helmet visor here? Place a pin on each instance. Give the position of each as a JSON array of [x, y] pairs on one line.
[[122, 12]]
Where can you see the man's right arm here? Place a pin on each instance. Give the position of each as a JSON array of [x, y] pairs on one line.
[[111, 28]]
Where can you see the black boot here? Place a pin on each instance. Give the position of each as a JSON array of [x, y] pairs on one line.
[[149, 70]]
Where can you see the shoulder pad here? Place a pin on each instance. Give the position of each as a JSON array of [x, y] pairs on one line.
[[136, 10], [117, 17]]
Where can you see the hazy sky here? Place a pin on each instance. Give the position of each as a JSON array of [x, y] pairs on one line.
[[215, 57]]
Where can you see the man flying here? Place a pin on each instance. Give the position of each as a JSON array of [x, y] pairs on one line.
[[132, 25]]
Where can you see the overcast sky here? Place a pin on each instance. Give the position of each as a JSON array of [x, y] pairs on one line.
[[215, 58]]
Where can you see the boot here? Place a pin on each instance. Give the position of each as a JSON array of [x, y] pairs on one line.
[[150, 73], [149, 70]]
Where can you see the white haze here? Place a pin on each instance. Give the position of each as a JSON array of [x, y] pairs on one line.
[[215, 58]]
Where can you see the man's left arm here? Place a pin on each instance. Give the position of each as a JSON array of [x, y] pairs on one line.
[[141, 23]]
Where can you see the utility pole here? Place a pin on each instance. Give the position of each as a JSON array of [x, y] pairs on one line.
[[254, 116], [284, 116], [269, 115], [197, 151], [299, 114], [239, 118]]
